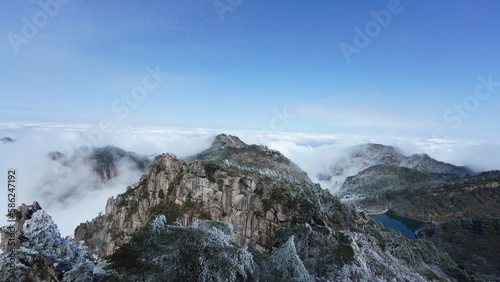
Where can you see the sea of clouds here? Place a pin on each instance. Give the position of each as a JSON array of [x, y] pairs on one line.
[[73, 194]]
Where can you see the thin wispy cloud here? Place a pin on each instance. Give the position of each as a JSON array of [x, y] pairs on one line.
[[361, 116]]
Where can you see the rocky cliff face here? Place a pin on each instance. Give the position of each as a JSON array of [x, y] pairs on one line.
[[256, 205], [251, 187]]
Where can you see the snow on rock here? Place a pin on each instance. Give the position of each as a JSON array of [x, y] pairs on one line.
[[44, 255], [288, 264], [200, 252]]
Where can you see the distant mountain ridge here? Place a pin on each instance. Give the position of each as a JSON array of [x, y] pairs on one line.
[[364, 156], [104, 161], [462, 208], [7, 140]]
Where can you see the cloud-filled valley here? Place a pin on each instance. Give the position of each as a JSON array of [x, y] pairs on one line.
[[73, 193]]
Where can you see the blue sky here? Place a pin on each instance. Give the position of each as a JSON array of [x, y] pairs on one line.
[[243, 70], [271, 72]]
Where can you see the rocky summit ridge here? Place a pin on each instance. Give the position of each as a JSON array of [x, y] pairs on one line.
[[229, 151]]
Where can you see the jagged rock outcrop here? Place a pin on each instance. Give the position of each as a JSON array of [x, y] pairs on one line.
[[40, 253]]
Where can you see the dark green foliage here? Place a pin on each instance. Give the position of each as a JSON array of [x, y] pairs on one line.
[[339, 256], [144, 194], [473, 243], [210, 169], [14, 213], [121, 201], [174, 183], [257, 213], [220, 184], [412, 175], [161, 194], [472, 196], [321, 229], [259, 191], [128, 257], [175, 253], [173, 211], [133, 206], [116, 236], [266, 204], [279, 193]]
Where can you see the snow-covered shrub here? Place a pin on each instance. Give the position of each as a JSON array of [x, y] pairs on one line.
[[45, 255], [201, 252]]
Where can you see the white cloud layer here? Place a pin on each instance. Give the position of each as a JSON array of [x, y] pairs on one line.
[[73, 194]]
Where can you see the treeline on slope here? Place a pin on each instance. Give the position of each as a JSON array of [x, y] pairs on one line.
[[471, 196], [472, 242], [379, 178]]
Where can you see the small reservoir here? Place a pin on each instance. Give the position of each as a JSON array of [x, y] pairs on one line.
[[406, 225]]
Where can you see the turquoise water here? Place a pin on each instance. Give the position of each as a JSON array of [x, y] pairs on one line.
[[407, 226]]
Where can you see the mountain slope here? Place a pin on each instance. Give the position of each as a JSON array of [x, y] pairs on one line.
[[463, 210], [362, 157], [284, 219], [230, 151], [473, 196]]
